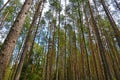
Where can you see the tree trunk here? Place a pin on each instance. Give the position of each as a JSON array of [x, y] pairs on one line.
[[114, 26], [57, 58], [10, 41], [101, 48], [28, 42], [91, 45]]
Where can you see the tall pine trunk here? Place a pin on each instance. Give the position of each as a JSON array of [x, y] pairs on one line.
[[91, 45], [29, 40], [114, 26], [101, 48], [9, 44]]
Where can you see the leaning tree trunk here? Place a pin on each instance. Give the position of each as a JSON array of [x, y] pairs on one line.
[[114, 65], [84, 44], [109, 46], [118, 6], [28, 42], [101, 48], [9, 44], [91, 45], [114, 26]]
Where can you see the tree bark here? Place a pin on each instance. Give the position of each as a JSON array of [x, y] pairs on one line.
[[10, 41], [91, 45], [84, 45], [114, 26], [101, 48], [28, 42]]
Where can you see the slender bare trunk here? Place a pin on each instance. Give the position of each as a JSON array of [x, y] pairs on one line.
[[91, 45]]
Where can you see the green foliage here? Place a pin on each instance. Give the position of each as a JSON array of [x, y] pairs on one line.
[[8, 72], [62, 38], [18, 3], [48, 15], [43, 22], [33, 69], [1, 3], [56, 5], [27, 22], [10, 10]]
